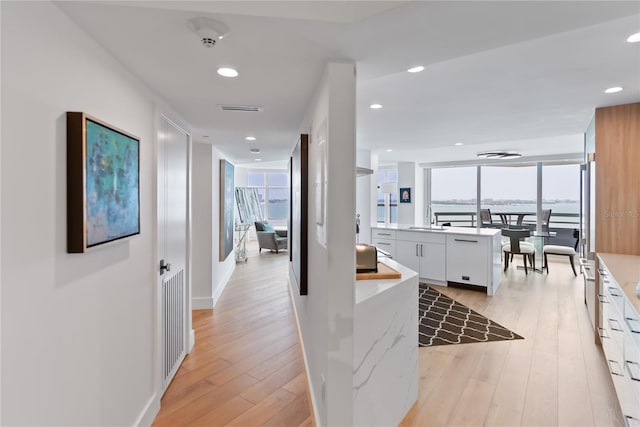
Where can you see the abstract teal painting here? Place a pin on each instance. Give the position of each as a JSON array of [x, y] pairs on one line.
[[112, 184], [103, 183]]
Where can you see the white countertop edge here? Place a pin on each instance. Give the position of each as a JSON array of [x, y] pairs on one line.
[[365, 289], [447, 230]]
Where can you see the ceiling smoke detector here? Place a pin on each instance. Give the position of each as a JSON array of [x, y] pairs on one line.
[[209, 30], [255, 150]]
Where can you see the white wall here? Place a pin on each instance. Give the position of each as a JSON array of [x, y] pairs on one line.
[[325, 315], [364, 204], [77, 329], [202, 261], [410, 175], [210, 276]]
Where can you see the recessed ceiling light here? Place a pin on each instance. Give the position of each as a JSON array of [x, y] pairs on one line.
[[227, 72], [375, 106], [613, 89], [389, 150], [634, 38], [250, 138], [258, 160], [458, 144], [416, 69]]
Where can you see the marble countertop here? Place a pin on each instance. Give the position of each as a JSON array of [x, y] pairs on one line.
[[467, 231], [366, 289], [625, 269]]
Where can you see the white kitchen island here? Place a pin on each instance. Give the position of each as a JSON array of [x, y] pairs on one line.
[[385, 348], [442, 256]]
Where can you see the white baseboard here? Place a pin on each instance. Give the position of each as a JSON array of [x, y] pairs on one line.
[[304, 358], [201, 303], [149, 412], [223, 284], [192, 340]]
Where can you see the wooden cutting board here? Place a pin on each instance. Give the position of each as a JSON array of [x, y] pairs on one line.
[[384, 272]]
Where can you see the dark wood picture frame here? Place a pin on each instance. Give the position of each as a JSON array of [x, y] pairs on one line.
[[405, 195], [227, 194], [299, 212], [103, 183]]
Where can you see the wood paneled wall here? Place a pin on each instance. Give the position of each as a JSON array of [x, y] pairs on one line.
[[618, 179]]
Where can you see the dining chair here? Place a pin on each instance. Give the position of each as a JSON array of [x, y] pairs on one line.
[[562, 250], [546, 216], [485, 217], [516, 246]]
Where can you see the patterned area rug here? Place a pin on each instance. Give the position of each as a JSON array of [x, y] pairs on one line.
[[443, 320]]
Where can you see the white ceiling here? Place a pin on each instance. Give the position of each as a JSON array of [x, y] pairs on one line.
[[507, 75]]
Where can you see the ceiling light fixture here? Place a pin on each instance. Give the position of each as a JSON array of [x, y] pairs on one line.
[[498, 155], [458, 144], [250, 138], [614, 89], [634, 38], [375, 106], [227, 72], [416, 69], [208, 30], [258, 160], [389, 150]]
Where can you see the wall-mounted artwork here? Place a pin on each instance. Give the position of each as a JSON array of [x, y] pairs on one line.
[[299, 211], [226, 209], [405, 195], [103, 183]]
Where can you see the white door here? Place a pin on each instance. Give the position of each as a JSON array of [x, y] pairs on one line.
[[174, 316]]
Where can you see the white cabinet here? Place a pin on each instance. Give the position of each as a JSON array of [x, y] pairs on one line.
[[454, 254], [423, 252], [620, 337], [384, 240]]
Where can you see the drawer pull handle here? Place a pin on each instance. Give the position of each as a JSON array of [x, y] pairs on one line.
[[383, 243], [613, 291], [634, 370], [634, 325], [603, 299], [615, 327], [617, 372], [603, 333], [603, 271], [466, 240], [384, 234], [631, 421]]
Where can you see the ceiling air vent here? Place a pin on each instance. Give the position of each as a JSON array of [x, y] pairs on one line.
[[248, 108]]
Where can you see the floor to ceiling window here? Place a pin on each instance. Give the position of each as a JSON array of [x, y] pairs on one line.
[[273, 191], [509, 189], [561, 193], [453, 195], [387, 176]]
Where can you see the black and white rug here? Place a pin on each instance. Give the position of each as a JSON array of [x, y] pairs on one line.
[[442, 320]]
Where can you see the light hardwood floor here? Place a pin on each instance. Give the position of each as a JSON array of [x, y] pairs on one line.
[[246, 368]]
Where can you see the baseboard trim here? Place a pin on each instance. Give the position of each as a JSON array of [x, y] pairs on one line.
[[192, 340], [223, 284], [314, 406], [201, 303], [149, 412]]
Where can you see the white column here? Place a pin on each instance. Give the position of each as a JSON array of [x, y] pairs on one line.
[[363, 196]]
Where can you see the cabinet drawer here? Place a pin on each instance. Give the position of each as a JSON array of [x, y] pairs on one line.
[[421, 236], [386, 245], [381, 233], [632, 322]]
